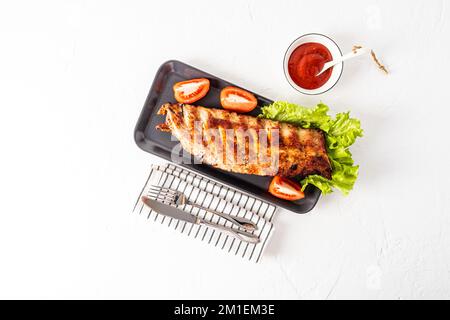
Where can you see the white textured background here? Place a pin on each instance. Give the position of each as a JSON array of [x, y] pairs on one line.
[[73, 78]]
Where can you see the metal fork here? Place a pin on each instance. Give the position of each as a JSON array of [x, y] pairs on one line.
[[176, 197]]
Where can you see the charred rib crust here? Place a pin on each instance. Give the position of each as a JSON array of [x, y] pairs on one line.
[[302, 152]]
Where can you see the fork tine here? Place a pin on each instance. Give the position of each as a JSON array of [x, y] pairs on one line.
[[162, 194], [159, 188], [168, 190], [161, 198]]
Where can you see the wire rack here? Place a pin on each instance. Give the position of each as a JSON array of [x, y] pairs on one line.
[[213, 195]]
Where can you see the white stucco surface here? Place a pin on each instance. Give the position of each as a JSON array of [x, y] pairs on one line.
[[73, 78]]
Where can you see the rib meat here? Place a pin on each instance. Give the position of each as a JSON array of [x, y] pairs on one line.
[[246, 144]]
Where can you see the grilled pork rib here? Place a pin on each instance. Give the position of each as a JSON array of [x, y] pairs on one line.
[[246, 144]]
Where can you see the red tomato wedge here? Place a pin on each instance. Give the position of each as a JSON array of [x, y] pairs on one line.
[[191, 90], [237, 100], [286, 189]]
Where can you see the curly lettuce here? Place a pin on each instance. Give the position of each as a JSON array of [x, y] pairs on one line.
[[340, 133]]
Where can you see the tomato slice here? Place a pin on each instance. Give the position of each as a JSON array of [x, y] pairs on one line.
[[286, 189], [191, 90], [237, 100]]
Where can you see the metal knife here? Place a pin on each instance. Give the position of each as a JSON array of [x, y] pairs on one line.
[[179, 214]]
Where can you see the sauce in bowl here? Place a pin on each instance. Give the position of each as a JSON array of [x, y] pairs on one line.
[[306, 61]]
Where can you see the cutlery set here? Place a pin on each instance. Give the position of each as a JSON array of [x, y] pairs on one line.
[[206, 210], [170, 202]]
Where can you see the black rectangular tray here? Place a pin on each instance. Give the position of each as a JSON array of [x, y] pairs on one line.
[[160, 143]]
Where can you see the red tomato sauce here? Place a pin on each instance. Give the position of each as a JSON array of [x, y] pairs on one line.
[[306, 62]]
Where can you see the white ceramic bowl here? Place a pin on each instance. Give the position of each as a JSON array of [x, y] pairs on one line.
[[335, 53]]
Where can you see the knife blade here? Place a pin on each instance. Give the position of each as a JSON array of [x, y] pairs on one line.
[[170, 211]]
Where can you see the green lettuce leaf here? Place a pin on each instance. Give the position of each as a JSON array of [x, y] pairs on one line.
[[316, 117], [344, 130], [340, 132]]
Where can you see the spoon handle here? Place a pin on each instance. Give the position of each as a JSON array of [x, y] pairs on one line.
[[351, 54]]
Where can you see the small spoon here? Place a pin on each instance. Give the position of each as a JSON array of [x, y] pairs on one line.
[[354, 53]]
